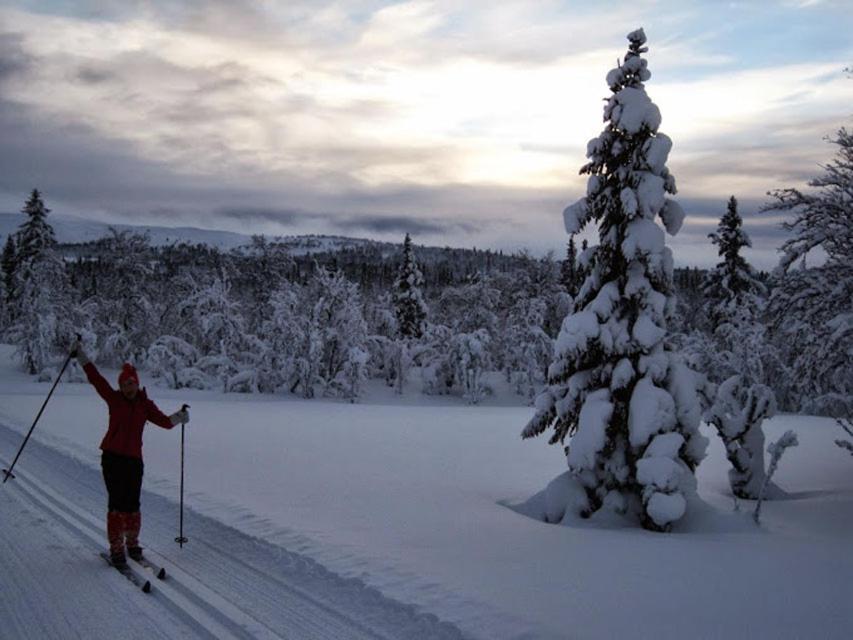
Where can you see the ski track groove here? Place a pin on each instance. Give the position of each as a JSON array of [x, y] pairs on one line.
[[215, 605], [261, 602], [195, 614]]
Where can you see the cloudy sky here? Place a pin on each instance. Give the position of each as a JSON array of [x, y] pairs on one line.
[[464, 123]]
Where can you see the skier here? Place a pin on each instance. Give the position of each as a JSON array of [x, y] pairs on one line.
[[121, 460]]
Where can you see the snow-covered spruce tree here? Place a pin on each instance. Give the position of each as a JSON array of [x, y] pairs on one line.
[[735, 352], [811, 307], [732, 283], [408, 300], [411, 313], [35, 235], [40, 295], [628, 403], [43, 310]]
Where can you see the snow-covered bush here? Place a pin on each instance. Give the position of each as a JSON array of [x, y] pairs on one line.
[[628, 402], [172, 362], [350, 380]]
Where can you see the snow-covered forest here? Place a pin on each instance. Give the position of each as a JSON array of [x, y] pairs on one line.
[[265, 319]]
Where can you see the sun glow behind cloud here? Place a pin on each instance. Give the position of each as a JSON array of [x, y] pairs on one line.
[[417, 108]]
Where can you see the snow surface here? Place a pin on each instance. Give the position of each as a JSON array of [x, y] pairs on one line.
[[427, 502]]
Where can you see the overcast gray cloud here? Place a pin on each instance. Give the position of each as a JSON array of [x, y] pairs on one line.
[[462, 124]]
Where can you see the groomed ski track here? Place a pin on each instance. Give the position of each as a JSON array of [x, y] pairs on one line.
[[222, 584]]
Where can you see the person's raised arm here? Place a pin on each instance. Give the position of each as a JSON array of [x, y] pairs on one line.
[[92, 374]]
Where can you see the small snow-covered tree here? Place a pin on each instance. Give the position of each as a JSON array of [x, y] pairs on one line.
[[409, 303], [529, 348], [436, 373], [737, 413], [627, 401], [469, 359], [776, 451], [284, 334], [811, 306], [339, 320], [213, 322], [127, 315]]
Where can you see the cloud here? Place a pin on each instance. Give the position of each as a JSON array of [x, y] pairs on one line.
[[465, 122], [14, 60]]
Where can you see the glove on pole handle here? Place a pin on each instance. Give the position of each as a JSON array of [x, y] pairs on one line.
[[181, 539], [7, 473]]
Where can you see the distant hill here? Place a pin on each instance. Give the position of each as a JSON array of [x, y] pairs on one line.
[[73, 230]]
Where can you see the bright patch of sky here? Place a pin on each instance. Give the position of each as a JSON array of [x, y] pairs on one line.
[[464, 122]]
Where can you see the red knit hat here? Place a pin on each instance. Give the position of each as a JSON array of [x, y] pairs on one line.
[[128, 372]]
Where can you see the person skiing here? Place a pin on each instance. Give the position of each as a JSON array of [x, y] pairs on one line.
[[121, 458]]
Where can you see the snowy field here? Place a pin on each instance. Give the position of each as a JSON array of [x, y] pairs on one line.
[[412, 496]]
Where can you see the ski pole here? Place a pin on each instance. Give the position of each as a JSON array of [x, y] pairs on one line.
[[8, 472], [181, 539]]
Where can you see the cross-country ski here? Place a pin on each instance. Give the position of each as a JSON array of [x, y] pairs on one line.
[[127, 572]]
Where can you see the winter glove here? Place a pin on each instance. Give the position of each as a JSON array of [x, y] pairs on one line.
[[180, 417], [77, 352]]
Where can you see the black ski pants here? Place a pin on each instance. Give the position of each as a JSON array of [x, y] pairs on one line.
[[123, 477]]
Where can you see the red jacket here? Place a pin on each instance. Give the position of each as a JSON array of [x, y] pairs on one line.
[[127, 417]]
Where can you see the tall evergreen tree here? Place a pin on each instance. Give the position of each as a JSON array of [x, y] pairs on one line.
[[35, 234], [627, 402], [408, 300]]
